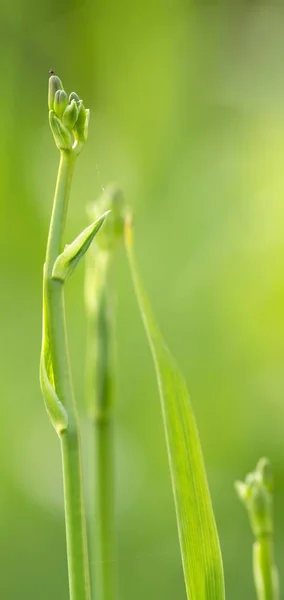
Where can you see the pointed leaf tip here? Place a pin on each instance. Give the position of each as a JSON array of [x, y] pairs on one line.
[[72, 254]]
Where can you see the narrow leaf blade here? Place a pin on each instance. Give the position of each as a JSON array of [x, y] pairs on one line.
[[72, 254], [198, 537]]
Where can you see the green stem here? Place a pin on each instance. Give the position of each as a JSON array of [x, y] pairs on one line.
[[79, 585], [78, 566], [265, 573], [100, 400], [103, 509]]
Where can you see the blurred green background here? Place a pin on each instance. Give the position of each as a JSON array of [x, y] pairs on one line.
[[188, 117]]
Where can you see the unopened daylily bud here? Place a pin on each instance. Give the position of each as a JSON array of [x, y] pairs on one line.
[[70, 127], [70, 115], [242, 490], [82, 123], [61, 134], [74, 96], [251, 479], [86, 128], [256, 494], [265, 470], [112, 232], [260, 511], [117, 206], [60, 102], [54, 84]]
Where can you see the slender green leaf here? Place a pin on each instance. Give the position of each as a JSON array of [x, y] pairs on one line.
[[199, 544], [72, 253]]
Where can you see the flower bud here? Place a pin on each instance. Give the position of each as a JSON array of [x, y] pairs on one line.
[[260, 511], [60, 102], [70, 115], [70, 119], [82, 123], [62, 136], [74, 96], [112, 232], [54, 84], [256, 495], [265, 470], [242, 490]]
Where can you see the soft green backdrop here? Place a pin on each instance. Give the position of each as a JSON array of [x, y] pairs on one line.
[[188, 116]]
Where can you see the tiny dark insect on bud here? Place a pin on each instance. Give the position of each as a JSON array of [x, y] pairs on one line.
[[51, 72]]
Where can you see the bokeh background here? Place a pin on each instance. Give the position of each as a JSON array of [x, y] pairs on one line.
[[187, 109]]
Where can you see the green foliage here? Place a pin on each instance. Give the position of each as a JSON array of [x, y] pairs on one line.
[[199, 544]]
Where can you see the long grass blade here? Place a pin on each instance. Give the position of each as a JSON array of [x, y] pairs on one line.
[[199, 544]]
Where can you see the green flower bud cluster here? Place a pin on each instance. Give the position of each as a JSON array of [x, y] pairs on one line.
[[256, 493], [68, 118]]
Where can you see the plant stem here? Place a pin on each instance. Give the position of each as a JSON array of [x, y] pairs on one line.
[[78, 566], [100, 400], [265, 573], [103, 576], [78, 569]]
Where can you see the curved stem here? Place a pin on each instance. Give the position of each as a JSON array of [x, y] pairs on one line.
[[77, 555]]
